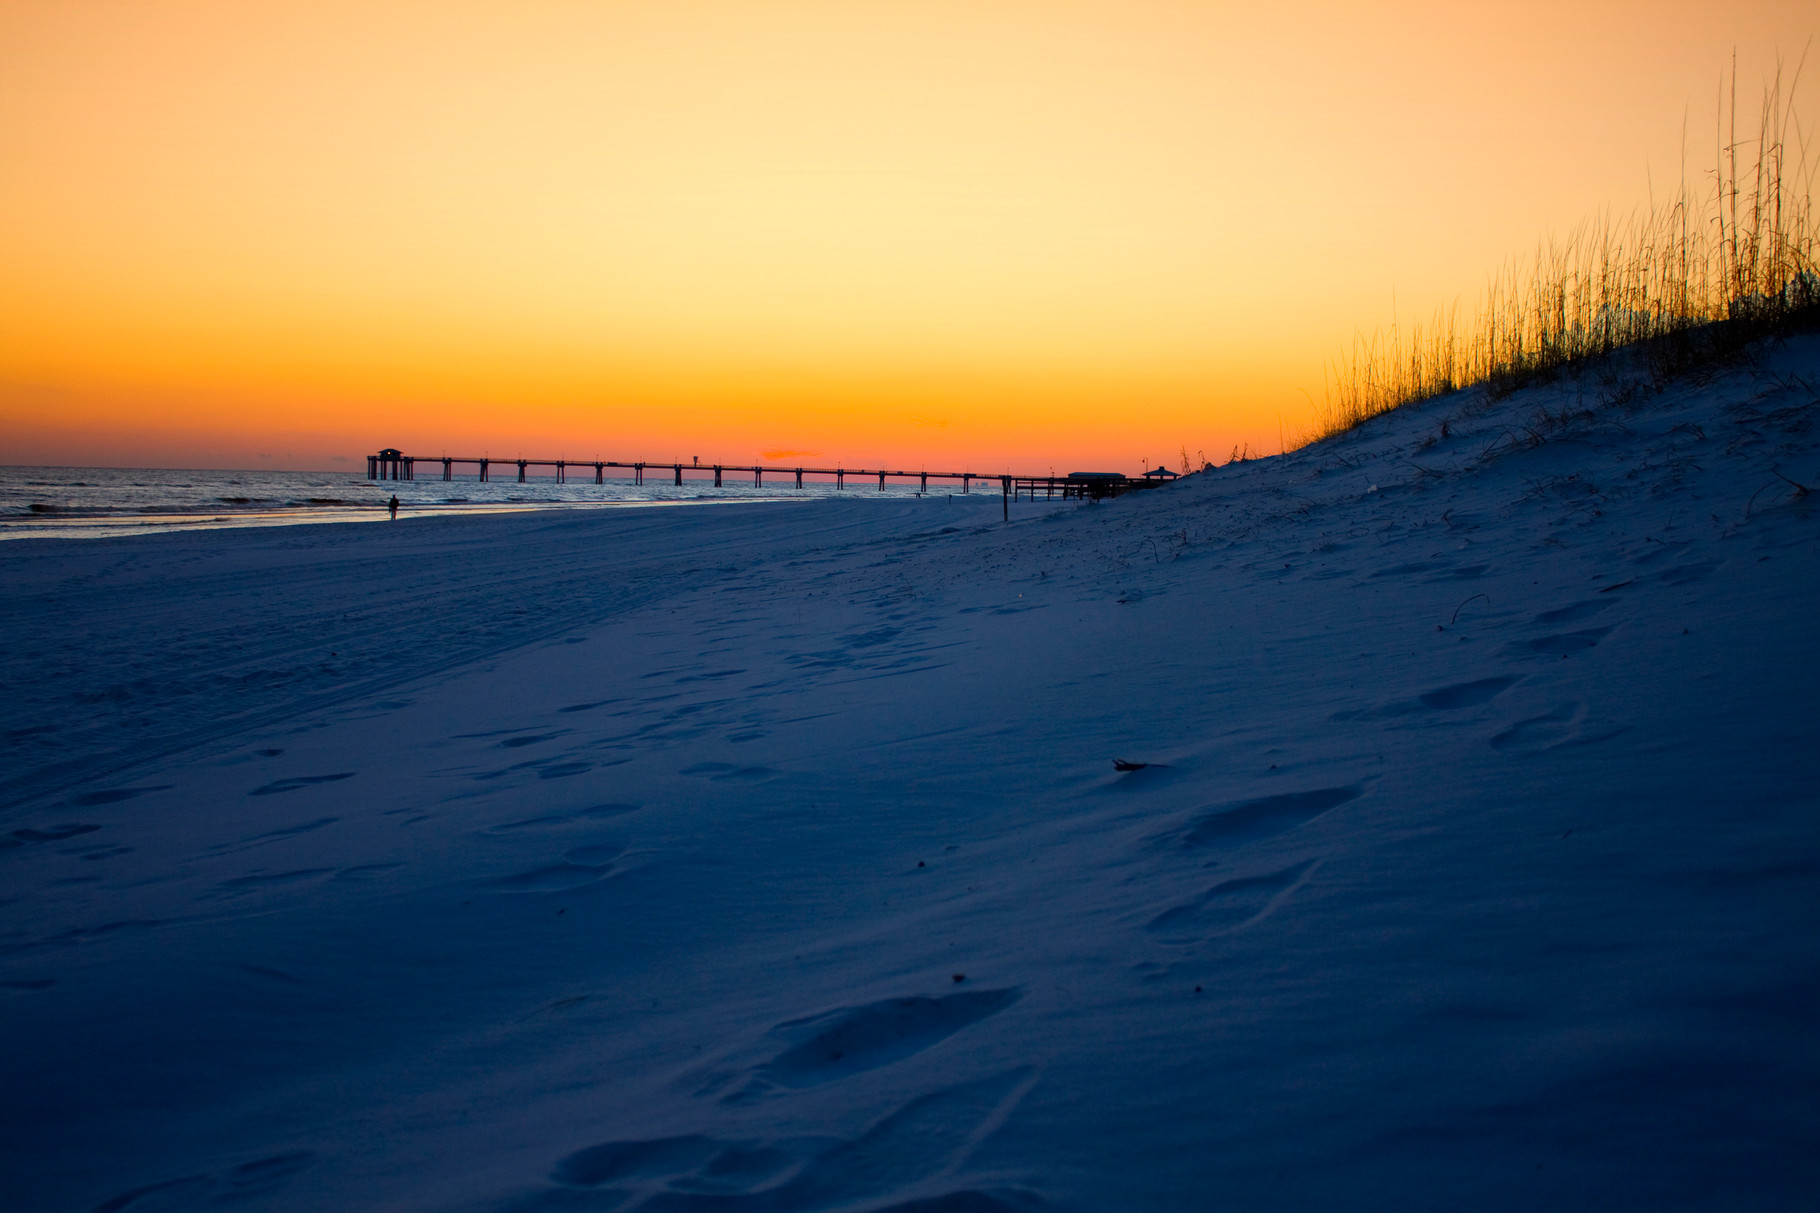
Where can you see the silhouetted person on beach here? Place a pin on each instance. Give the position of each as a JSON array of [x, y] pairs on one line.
[[393, 506]]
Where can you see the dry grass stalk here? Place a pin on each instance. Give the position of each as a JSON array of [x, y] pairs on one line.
[[1681, 284]]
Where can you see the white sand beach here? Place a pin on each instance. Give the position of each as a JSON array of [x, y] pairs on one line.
[[773, 856]]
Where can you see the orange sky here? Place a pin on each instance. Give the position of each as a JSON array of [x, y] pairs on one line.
[[986, 234]]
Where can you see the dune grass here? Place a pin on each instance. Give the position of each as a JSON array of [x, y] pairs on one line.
[[1679, 285]]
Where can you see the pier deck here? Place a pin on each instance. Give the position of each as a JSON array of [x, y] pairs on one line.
[[392, 464]]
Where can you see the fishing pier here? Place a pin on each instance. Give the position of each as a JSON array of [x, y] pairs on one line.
[[392, 464]]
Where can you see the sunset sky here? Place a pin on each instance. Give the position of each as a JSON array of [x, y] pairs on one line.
[[982, 234]]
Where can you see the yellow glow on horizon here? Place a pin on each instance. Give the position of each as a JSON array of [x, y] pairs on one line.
[[988, 233]]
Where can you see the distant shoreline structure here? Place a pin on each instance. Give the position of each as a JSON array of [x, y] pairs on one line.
[[392, 464], [43, 502]]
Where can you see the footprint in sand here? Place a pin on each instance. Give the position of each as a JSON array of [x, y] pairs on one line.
[[577, 818], [260, 882], [1564, 643], [549, 768], [1467, 694], [80, 935], [671, 1158], [551, 878], [1566, 725], [297, 782], [115, 795], [848, 1041], [1230, 905], [597, 854], [513, 743], [1572, 614], [1413, 567], [57, 833], [896, 1157], [271, 836], [247, 1182], [726, 772], [710, 676], [1443, 699], [366, 871], [1251, 820], [1540, 732], [579, 867], [838, 1044]]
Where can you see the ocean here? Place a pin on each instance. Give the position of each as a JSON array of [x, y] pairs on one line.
[[74, 502]]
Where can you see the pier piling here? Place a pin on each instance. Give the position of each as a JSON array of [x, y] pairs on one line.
[[393, 464]]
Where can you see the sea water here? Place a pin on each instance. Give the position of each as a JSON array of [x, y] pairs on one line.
[[95, 502]]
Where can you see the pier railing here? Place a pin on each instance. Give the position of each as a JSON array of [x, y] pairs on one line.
[[392, 464]]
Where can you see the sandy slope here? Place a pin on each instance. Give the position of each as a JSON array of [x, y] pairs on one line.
[[774, 858]]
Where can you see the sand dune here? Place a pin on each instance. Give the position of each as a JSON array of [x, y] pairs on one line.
[[774, 858]]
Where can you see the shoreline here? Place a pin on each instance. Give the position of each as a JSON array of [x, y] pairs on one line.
[[69, 524], [54, 525]]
